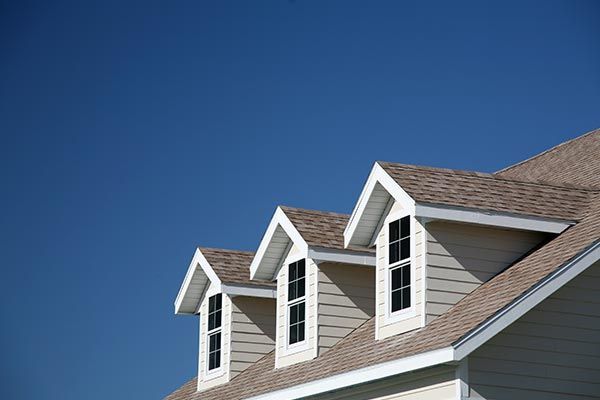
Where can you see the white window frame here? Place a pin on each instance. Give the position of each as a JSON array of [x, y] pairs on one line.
[[411, 311], [219, 369], [302, 345]]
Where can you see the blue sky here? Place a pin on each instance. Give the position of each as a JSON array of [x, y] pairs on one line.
[[130, 132]]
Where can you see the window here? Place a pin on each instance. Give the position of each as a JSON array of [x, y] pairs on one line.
[[399, 264], [215, 304], [296, 301]]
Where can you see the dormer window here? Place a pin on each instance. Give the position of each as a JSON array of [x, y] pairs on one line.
[[296, 301], [215, 304], [399, 264]]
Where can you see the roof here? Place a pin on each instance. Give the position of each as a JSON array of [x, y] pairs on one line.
[[487, 192], [232, 266], [499, 192], [575, 162], [319, 228]]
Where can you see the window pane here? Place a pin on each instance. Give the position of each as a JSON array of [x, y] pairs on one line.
[[394, 231], [301, 268], [301, 331], [396, 301], [293, 272], [293, 314], [218, 319], [404, 248], [301, 311], [211, 361], [211, 304], [218, 300], [406, 297], [293, 334], [217, 359], [396, 278], [218, 341], [406, 275], [301, 287], [405, 227], [393, 256], [211, 322], [292, 293]]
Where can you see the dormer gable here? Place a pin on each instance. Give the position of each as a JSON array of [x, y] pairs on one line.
[[236, 315], [324, 291], [441, 233]]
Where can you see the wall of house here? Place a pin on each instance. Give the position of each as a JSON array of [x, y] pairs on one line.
[[346, 300], [253, 328], [391, 326], [287, 355], [221, 375], [551, 353], [461, 257], [431, 384]]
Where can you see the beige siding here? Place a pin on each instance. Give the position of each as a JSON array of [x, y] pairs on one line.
[[552, 352], [284, 355], [431, 384], [346, 300], [391, 326], [252, 331], [221, 375], [460, 257]]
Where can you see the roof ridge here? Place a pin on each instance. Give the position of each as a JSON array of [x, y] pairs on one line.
[[486, 175], [284, 208], [202, 248], [546, 151]]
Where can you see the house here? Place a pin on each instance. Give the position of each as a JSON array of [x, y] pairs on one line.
[[441, 284]]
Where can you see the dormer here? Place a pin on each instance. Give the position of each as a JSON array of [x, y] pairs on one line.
[[324, 291], [439, 234], [236, 314]]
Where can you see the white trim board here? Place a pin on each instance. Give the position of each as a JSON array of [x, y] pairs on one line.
[[320, 254], [248, 290], [362, 375], [198, 266], [497, 219]]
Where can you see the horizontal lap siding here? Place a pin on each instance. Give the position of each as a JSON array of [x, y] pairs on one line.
[[461, 257], [430, 384], [346, 301], [252, 331], [552, 352]]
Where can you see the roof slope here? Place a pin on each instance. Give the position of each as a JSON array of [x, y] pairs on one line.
[[232, 266], [360, 349], [575, 162], [318, 228], [487, 192]]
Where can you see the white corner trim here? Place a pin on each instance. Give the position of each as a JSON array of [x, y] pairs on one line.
[[503, 220], [463, 390], [198, 264], [519, 307], [362, 375], [279, 219], [251, 291], [377, 175], [319, 254]]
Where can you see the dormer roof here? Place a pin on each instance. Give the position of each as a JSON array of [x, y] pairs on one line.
[[228, 270], [318, 234]]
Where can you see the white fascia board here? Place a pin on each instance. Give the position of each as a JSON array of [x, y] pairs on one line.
[[251, 291], [279, 219], [518, 308], [481, 217], [199, 264], [377, 175], [320, 254], [361, 376]]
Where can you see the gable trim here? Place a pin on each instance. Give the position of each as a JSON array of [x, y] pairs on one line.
[[516, 309], [198, 266], [489, 218], [279, 219], [250, 291], [320, 254]]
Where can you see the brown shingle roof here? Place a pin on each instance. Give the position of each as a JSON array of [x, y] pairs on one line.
[[360, 349], [575, 162], [487, 192], [321, 228], [232, 266]]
